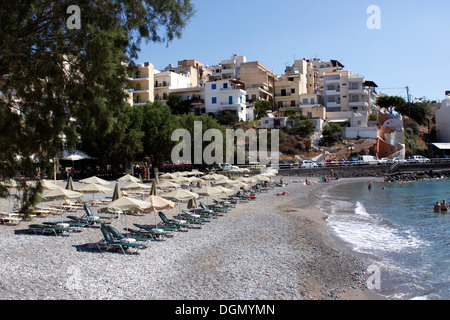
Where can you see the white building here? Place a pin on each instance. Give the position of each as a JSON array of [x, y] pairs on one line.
[[270, 121], [166, 81], [443, 121], [228, 94]]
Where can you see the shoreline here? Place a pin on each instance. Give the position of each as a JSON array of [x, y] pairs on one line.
[[275, 248]]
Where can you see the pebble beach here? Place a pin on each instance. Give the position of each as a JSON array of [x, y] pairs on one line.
[[270, 248]]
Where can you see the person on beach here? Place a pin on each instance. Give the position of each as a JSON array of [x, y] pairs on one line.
[[437, 207], [444, 205], [370, 186]]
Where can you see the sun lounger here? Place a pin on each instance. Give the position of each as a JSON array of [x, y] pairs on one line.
[[95, 221], [60, 229], [108, 242], [198, 216], [166, 232], [10, 220], [182, 224], [120, 237], [90, 215]]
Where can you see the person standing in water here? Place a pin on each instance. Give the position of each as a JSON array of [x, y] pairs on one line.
[[370, 186], [444, 206], [437, 207]]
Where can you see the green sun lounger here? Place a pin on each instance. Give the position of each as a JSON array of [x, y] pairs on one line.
[[119, 236], [90, 215], [109, 242], [198, 216], [167, 232], [183, 224], [51, 229]]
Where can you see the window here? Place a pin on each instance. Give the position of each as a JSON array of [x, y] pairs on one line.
[[292, 90], [214, 100], [225, 85], [310, 115], [213, 86]]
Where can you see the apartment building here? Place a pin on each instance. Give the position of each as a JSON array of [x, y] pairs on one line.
[[193, 69], [227, 94], [348, 97], [317, 70], [228, 69], [259, 81], [288, 89], [141, 85], [166, 81]]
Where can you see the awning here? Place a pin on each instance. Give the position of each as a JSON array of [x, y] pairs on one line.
[[442, 146]]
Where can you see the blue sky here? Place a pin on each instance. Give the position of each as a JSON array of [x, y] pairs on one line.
[[412, 48]]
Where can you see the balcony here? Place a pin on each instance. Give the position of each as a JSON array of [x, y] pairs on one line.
[[333, 104], [358, 104], [138, 77], [357, 91], [287, 94], [140, 90], [333, 92], [229, 72], [140, 102], [332, 80]]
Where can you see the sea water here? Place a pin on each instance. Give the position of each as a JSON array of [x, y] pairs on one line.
[[395, 225]]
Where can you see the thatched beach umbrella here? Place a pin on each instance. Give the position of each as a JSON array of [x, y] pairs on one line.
[[166, 184], [158, 204], [208, 191], [117, 194], [128, 178], [94, 188], [136, 186], [154, 190], [69, 185], [62, 194], [95, 180]]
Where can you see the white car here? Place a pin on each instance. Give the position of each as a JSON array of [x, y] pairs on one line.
[[418, 159], [395, 160], [308, 164]]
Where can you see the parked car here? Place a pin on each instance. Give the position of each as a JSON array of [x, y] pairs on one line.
[[370, 160], [384, 160], [226, 166], [319, 164], [397, 159], [418, 159], [308, 164]]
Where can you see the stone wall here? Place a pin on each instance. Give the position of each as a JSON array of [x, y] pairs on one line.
[[409, 171]]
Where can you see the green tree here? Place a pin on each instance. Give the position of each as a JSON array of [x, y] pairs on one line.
[[57, 81], [158, 125], [177, 105], [261, 108], [331, 133], [390, 102]]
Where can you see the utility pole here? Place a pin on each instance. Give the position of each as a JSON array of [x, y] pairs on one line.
[[409, 101]]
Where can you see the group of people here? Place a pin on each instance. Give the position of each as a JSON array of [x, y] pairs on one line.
[[441, 207]]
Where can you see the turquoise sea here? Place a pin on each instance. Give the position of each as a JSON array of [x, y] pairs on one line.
[[395, 225]]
